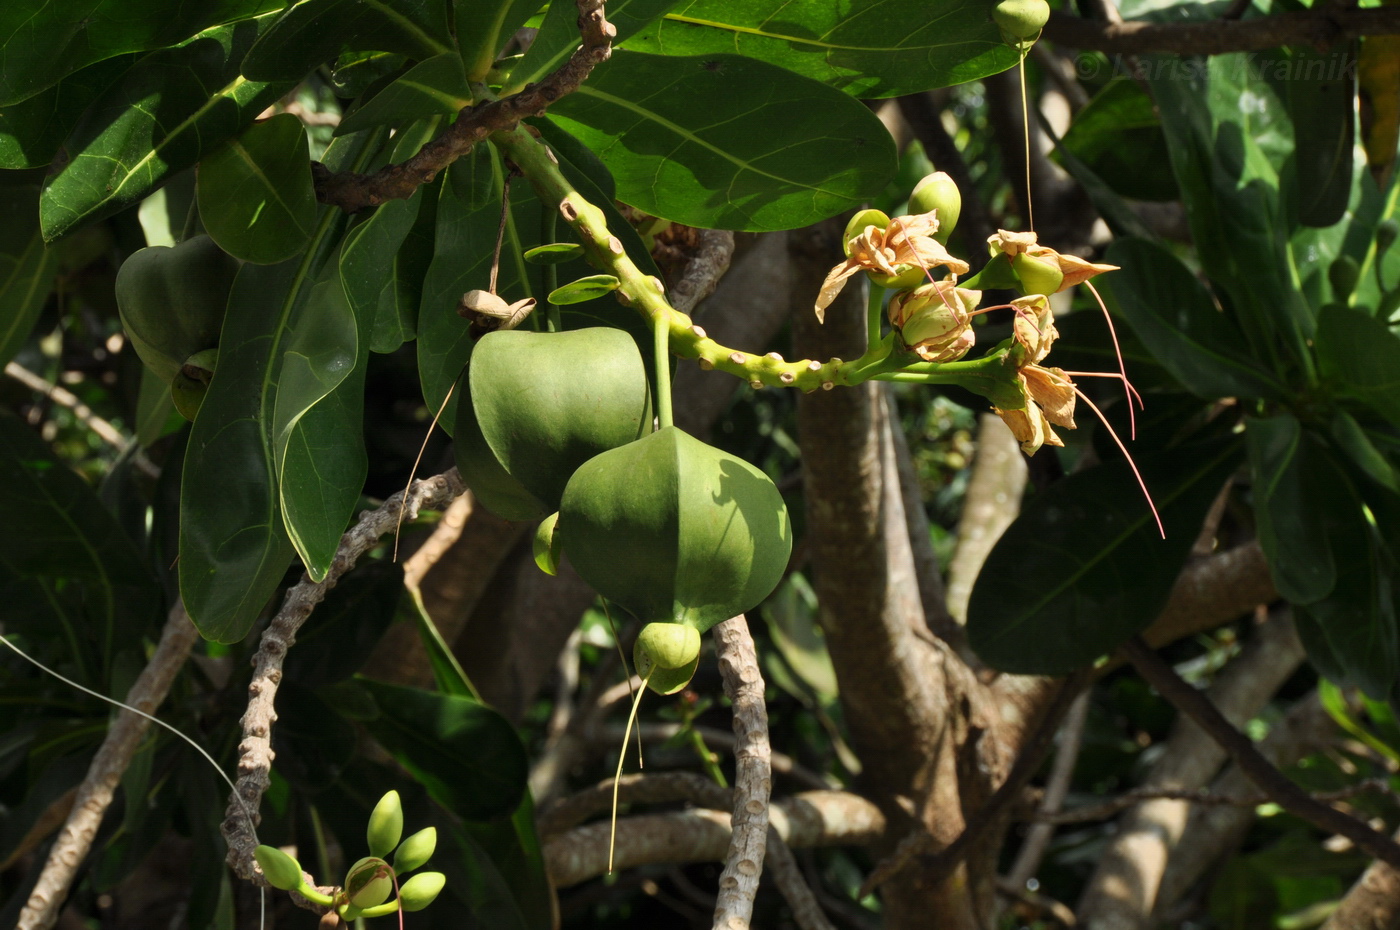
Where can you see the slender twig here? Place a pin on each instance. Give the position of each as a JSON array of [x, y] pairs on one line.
[[352, 192], [82, 412], [782, 868], [1056, 788], [255, 751], [1269, 779], [753, 774], [105, 772], [1313, 27]]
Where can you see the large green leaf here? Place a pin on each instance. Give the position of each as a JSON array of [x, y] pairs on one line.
[[436, 87], [500, 872], [313, 32], [1083, 567], [483, 28], [1358, 354], [1117, 136], [27, 268], [1174, 316], [1290, 483], [70, 566], [340, 636], [558, 36], [466, 754], [32, 131], [171, 109], [255, 194], [868, 48], [727, 142], [43, 43], [234, 546], [1320, 91]]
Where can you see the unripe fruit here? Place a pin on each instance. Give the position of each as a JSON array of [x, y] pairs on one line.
[[1343, 274], [172, 301], [1037, 276], [416, 850], [938, 192], [369, 883], [385, 826], [666, 656], [280, 869], [1020, 21], [420, 890], [857, 224]]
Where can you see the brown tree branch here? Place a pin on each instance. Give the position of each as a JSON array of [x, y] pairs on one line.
[[105, 772], [255, 751], [352, 192], [1318, 27], [1205, 797], [1038, 838], [83, 413], [992, 502], [1373, 903], [1284, 792], [707, 264]]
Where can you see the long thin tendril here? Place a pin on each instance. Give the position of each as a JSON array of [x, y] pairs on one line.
[[627, 673], [621, 757], [1122, 366], [398, 526], [1131, 464], [1026, 134]]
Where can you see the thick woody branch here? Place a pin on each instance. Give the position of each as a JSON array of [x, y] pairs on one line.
[[352, 192], [753, 774], [95, 793], [1373, 903], [255, 751], [1285, 793], [1317, 27]]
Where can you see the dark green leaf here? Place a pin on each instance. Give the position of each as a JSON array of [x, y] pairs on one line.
[[483, 27], [576, 292], [313, 32], [466, 754], [46, 42], [27, 268], [346, 626], [357, 72], [868, 48], [1174, 316], [1117, 136], [448, 675], [1352, 439], [1083, 568], [436, 87], [1288, 477], [31, 132], [171, 109], [726, 142], [313, 743], [558, 36], [505, 872], [255, 194], [1321, 88], [1359, 354]]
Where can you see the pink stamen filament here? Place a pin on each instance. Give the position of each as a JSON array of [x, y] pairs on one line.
[[1133, 395], [1122, 366], [1131, 464]]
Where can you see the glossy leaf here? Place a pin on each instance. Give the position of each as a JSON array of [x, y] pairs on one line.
[[1352, 440], [1117, 135], [234, 547], [45, 43], [255, 194], [1321, 91], [32, 131], [313, 32], [313, 743], [170, 110], [1174, 316], [555, 253], [868, 48], [1358, 352], [1083, 568], [27, 268], [504, 861], [467, 755], [1288, 479], [589, 288], [558, 36], [483, 27], [725, 142], [436, 87]]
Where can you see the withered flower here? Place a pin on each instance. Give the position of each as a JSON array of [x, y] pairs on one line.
[[935, 320], [1041, 269], [1049, 391], [906, 244]]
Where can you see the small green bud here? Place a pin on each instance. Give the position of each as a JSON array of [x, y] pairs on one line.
[[280, 869], [1036, 275], [1343, 274], [369, 882], [1020, 21], [546, 545], [1386, 234], [857, 224], [666, 655], [349, 913], [385, 825], [420, 890], [416, 850], [938, 192]]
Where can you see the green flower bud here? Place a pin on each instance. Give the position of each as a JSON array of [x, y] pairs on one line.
[[280, 869], [421, 890], [857, 224], [666, 655], [385, 825], [1020, 21], [1343, 274], [938, 193], [935, 320], [546, 545], [369, 882], [416, 850], [1037, 275]]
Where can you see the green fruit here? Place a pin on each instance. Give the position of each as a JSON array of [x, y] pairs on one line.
[[1343, 274], [172, 301], [420, 890], [1020, 21], [666, 656], [938, 192], [538, 405], [1036, 275], [385, 825], [675, 530], [416, 850], [280, 869], [857, 224], [546, 545], [369, 882], [191, 382]]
